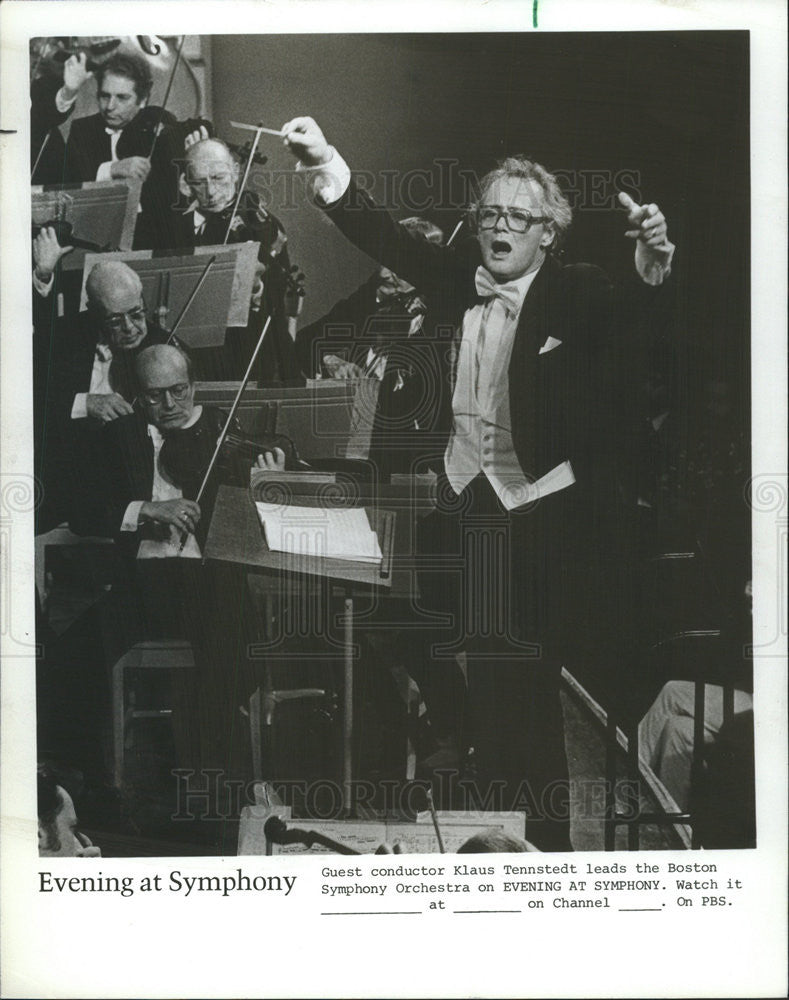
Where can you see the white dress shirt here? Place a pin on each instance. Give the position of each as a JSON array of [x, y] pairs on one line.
[[481, 437], [99, 382], [104, 173]]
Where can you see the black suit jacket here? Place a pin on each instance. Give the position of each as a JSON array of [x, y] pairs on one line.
[[564, 402], [44, 121]]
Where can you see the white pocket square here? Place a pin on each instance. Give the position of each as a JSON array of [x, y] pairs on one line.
[[549, 345]]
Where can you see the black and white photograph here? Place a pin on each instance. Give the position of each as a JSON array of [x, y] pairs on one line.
[[389, 469]]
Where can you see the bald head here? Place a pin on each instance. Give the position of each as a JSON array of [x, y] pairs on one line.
[[109, 279], [114, 293], [210, 175], [164, 376]]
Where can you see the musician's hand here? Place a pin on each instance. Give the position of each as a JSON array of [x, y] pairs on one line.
[[272, 461], [107, 407], [340, 368], [181, 514], [47, 252], [647, 222], [304, 139], [133, 168], [75, 73], [197, 136]]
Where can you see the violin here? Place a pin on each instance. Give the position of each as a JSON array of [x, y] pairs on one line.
[[244, 151], [187, 452]]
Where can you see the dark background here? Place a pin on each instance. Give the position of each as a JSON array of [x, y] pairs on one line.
[[667, 109]]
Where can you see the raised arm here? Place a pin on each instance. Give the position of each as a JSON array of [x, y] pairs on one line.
[[367, 225]]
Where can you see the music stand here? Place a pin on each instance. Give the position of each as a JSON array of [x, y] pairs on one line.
[[168, 282], [102, 213], [326, 419], [235, 535]]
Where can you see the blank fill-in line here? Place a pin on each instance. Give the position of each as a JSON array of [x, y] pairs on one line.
[[487, 911], [369, 913], [642, 909]]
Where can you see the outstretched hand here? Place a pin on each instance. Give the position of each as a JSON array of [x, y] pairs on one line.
[[47, 252], [75, 73], [647, 223]]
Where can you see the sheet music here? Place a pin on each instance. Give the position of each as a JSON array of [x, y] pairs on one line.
[[320, 532]]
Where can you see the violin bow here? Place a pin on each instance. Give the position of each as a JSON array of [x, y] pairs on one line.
[[228, 422], [233, 408], [259, 130], [192, 297], [187, 304], [38, 158], [158, 129]]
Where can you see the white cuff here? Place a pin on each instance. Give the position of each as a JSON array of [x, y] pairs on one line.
[[327, 182], [131, 518], [104, 171], [79, 410], [654, 265], [43, 288], [63, 103]]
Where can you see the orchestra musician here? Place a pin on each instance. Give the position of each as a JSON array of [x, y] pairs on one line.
[[84, 367], [526, 471], [154, 517], [131, 141], [209, 182]]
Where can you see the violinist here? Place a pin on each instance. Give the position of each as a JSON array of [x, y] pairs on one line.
[[155, 466], [120, 141], [209, 184], [154, 459]]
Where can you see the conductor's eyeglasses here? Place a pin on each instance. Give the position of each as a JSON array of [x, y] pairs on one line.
[[516, 220], [177, 392]]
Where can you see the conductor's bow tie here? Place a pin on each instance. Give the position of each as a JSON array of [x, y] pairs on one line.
[[487, 288]]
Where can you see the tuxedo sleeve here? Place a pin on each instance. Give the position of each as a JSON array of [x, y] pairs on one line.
[[427, 266]]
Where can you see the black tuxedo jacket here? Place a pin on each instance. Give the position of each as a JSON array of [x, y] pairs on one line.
[[565, 402], [44, 121]]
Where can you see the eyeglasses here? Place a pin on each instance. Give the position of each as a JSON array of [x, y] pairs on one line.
[[117, 321], [517, 221], [177, 392]]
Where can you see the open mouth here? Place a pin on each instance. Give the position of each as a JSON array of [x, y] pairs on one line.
[[500, 247]]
